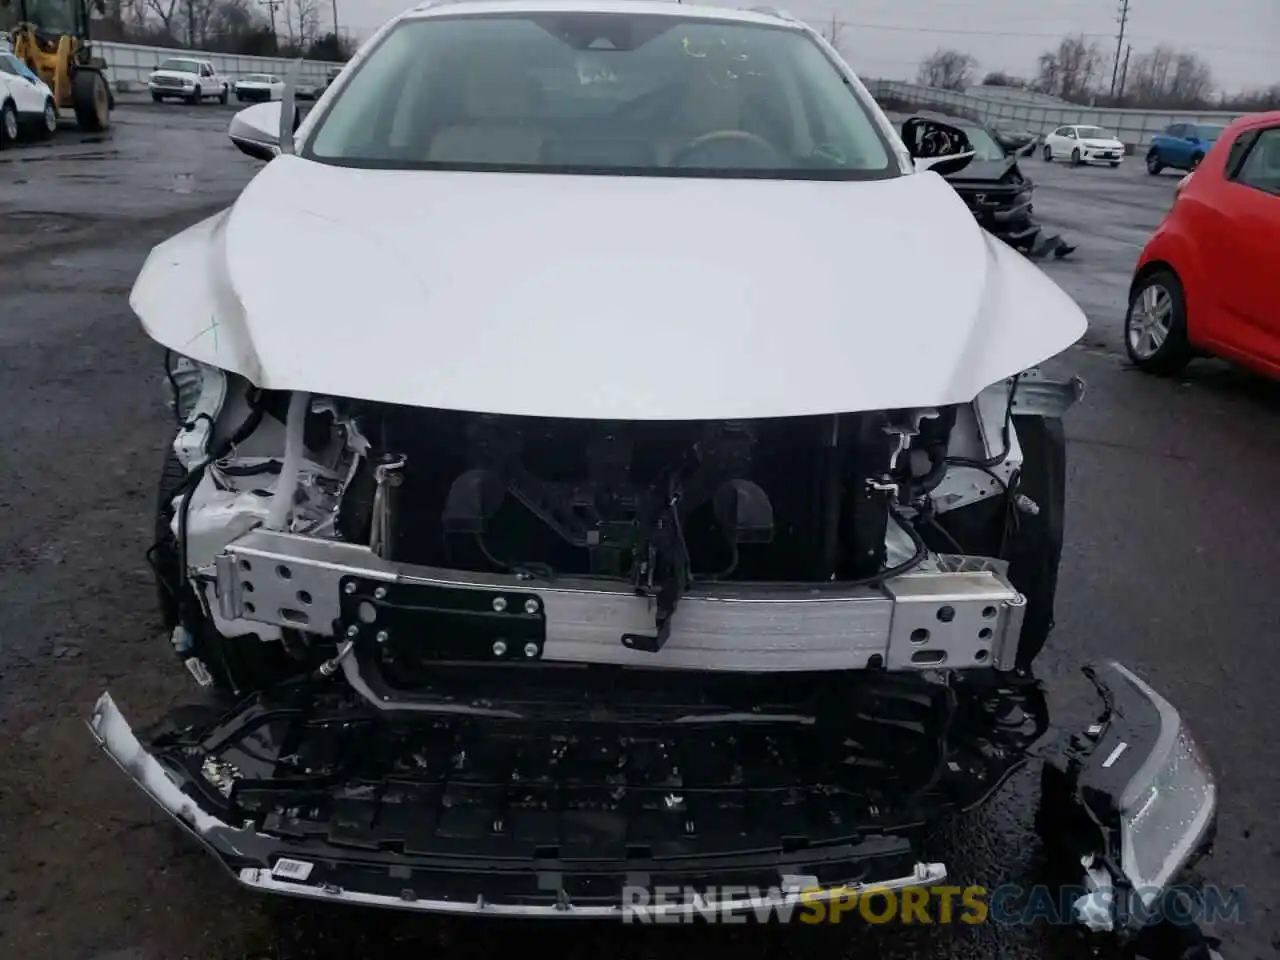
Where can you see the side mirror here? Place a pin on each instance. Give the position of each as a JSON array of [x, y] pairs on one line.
[[255, 130], [944, 166], [937, 146]]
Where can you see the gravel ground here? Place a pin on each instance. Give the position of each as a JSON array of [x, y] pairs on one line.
[[1169, 566]]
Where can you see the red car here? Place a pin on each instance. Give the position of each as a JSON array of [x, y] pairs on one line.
[[1208, 281]]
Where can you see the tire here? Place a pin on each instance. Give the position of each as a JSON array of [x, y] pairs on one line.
[[1154, 166], [50, 118], [156, 98], [239, 98], [1196, 161], [196, 98], [9, 126], [1047, 154], [92, 100], [1076, 160], [1115, 164], [1155, 337], [225, 95]]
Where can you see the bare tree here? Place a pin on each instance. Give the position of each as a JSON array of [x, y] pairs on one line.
[[1069, 71], [302, 21], [133, 16], [164, 9], [196, 15], [1150, 73], [1252, 101], [947, 69], [1165, 77], [1192, 81]]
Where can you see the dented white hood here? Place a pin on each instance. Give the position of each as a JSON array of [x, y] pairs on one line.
[[603, 297]]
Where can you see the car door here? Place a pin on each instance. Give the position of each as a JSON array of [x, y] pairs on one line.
[[1177, 150], [27, 94], [1240, 247], [1054, 141]]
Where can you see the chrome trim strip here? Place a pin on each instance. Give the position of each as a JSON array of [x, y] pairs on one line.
[[925, 874]]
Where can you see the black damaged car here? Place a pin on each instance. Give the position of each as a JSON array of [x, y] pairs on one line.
[[993, 186]]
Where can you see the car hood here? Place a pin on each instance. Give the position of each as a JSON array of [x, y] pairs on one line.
[[627, 297], [985, 172], [174, 74], [1103, 144]]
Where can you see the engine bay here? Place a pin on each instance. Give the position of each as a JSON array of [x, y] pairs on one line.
[[812, 538]]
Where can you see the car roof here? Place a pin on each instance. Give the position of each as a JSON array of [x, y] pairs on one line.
[[1251, 121], [452, 8]]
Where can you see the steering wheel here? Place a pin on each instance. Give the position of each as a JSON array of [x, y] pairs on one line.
[[760, 144]]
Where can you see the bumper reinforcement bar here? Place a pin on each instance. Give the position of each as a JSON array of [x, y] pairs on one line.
[[919, 621]]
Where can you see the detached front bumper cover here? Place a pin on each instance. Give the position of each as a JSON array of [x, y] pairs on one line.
[[438, 878], [1135, 795], [1131, 798]]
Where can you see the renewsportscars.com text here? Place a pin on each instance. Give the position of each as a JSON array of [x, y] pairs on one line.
[[1008, 905]]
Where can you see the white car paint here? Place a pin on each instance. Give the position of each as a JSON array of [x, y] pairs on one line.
[[29, 93], [603, 296], [203, 81], [1061, 144], [692, 298], [256, 85]]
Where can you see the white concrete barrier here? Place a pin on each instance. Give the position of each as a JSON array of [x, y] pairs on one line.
[[129, 64], [1134, 127]]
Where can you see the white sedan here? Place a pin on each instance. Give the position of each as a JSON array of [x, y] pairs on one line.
[[1082, 144], [25, 100], [258, 87]]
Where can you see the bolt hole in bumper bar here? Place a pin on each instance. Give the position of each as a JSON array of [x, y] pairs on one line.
[[963, 616], [1136, 799]]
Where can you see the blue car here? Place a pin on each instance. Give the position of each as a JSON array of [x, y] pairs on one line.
[[1181, 146]]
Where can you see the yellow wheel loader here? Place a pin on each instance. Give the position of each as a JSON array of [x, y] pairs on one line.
[[52, 38]]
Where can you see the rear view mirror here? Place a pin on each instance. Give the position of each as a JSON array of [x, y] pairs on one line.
[[938, 146]]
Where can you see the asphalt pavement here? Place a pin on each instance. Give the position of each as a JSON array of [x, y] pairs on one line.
[[1169, 566]]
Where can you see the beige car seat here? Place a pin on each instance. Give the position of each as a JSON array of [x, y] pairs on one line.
[[499, 103]]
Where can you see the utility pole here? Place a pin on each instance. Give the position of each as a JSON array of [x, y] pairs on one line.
[[1124, 23], [1124, 71], [336, 44], [271, 8]]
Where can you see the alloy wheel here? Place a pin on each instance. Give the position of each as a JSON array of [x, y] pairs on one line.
[[1150, 321]]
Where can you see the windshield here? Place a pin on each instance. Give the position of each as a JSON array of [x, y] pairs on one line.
[[179, 66], [1093, 133], [602, 93], [984, 145], [1209, 132]]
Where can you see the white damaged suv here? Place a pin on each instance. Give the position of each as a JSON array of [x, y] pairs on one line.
[[653, 478]]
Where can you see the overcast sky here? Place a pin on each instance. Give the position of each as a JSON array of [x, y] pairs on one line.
[[887, 38]]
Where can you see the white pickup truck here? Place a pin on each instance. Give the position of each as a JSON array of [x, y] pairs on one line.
[[185, 78]]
